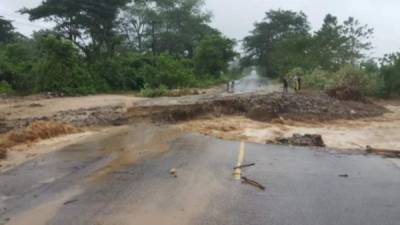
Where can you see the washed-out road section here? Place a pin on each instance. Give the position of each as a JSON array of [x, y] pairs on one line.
[[123, 178]]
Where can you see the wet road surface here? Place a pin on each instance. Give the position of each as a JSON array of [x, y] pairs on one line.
[[123, 178]]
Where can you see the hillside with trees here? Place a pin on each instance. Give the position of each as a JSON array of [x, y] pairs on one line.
[[133, 45], [335, 55], [119, 45]]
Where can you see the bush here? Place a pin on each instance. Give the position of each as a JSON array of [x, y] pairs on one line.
[[154, 92], [61, 69], [16, 63], [122, 72], [390, 71], [5, 88], [347, 77], [168, 71], [357, 79], [318, 79]]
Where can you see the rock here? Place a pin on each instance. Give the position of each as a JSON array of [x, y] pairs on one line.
[[173, 172], [303, 140]]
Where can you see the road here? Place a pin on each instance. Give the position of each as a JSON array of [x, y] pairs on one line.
[[253, 82], [122, 177]]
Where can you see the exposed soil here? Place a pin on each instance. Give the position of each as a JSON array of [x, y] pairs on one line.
[[17, 113], [24, 152], [38, 130], [260, 107], [380, 132], [260, 117]]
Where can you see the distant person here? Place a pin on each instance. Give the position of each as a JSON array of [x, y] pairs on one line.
[[297, 83], [285, 85], [230, 86], [300, 82]]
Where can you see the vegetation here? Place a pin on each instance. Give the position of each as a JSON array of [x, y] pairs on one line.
[[156, 45], [282, 45], [118, 45]]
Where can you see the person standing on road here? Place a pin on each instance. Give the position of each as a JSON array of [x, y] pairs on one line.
[[285, 85], [297, 83]]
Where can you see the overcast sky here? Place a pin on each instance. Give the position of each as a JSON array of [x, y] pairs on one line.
[[235, 18]]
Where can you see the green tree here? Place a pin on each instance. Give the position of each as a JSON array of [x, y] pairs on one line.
[[90, 24], [336, 45], [172, 26], [357, 37], [278, 43], [16, 62], [328, 45], [213, 55], [390, 71], [7, 30]]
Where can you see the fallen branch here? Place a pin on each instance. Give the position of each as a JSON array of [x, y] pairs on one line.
[[383, 152], [253, 183], [244, 166]]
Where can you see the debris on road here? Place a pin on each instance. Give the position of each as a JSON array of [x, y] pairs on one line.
[[303, 140], [4, 221], [70, 202], [344, 175], [3, 152], [244, 166], [35, 105], [383, 152], [173, 173], [253, 183]]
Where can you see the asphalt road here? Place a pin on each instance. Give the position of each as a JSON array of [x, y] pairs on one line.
[[113, 180], [253, 83]]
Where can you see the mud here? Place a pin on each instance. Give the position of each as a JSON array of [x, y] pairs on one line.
[[259, 107], [97, 116], [379, 132]]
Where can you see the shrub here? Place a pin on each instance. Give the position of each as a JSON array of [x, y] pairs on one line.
[[347, 77], [154, 92], [61, 69], [5, 88], [122, 72], [16, 63], [168, 71], [318, 79], [390, 71]]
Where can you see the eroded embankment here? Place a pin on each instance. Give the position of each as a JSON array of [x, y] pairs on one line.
[[96, 116], [260, 107]]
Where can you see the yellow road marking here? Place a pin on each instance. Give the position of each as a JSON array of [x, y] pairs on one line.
[[238, 172]]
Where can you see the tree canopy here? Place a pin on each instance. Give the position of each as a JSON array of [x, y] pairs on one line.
[[283, 41]]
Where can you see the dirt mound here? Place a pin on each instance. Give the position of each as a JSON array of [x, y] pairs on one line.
[[38, 130], [260, 107], [346, 94]]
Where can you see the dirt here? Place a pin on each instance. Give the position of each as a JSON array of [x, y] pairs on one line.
[[16, 113], [380, 131], [260, 107], [257, 117], [25, 152], [313, 140], [346, 94]]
